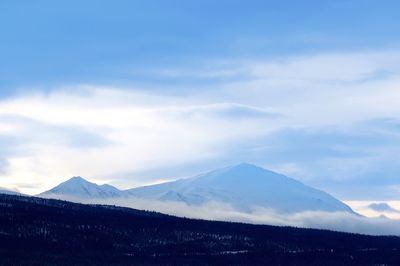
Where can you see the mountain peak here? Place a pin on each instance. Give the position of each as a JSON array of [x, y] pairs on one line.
[[245, 166], [248, 171], [77, 179], [79, 187]]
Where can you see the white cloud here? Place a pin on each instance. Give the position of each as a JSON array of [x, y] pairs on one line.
[[142, 134]]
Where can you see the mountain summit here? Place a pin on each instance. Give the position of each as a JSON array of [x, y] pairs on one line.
[[79, 187]]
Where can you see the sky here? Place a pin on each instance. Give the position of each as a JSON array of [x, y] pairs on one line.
[[139, 92]]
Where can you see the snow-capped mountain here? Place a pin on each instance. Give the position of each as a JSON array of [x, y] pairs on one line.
[[244, 186], [78, 187]]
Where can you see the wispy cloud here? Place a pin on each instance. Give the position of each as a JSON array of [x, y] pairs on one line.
[[106, 132], [337, 221]]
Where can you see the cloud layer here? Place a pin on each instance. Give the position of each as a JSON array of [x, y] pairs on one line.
[[337, 221]]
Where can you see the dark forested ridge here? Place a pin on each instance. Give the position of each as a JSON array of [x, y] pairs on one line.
[[35, 231]]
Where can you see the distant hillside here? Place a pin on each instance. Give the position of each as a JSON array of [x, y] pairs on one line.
[[35, 231], [10, 192]]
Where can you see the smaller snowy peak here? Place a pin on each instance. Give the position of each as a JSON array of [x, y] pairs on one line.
[[81, 188], [75, 181], [382, 207]]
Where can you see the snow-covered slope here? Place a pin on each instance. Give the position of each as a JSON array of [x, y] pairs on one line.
[[244, 186], [78, 187]]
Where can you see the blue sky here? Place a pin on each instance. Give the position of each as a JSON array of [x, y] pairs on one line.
[[136, 92], [47, 43]]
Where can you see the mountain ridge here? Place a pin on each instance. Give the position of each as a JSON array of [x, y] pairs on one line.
[[243, 186]]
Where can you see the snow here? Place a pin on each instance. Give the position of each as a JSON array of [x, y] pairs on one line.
[[79, 187]]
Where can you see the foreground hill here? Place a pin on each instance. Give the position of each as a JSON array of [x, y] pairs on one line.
[[243, 186], [36, 231]]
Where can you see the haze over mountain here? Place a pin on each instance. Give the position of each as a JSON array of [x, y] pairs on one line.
[[244, 187], [9, 192]]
